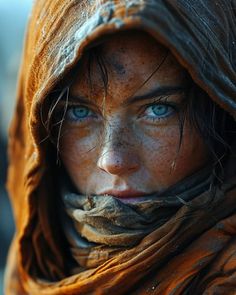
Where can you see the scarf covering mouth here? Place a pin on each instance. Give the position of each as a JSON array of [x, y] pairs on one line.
[[100, 227], [194, 249]]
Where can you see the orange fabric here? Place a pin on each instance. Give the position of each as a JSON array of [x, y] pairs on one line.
[[194, 252]]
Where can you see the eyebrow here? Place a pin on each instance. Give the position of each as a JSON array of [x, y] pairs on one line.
[[81, 99], [157, 92]]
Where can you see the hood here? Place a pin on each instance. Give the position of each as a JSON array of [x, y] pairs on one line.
[[200, 34]]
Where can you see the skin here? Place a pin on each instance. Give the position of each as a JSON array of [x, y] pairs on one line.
[[122, 146]]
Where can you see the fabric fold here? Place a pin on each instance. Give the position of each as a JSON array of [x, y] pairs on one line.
[[93, 248]]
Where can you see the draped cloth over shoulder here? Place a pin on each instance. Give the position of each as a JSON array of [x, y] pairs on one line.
[[195, 248]]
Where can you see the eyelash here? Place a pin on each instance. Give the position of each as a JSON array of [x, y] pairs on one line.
[[173, 106], [72, 117]]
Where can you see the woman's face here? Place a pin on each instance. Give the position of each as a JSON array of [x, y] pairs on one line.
[[125, 142]]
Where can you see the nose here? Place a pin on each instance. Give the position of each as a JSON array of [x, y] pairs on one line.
[[118, 157], [117, 163]]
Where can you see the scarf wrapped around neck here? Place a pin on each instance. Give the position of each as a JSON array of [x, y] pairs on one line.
[[100, 227], [181, 242]]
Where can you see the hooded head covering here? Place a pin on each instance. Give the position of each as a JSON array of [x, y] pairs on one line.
[[195, 248]]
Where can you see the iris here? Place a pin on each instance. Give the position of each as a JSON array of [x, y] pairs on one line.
[[159, 110], [78, 113]]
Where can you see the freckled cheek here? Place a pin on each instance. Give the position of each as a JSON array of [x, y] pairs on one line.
[[165, 161], [160, 149], [78, 149]]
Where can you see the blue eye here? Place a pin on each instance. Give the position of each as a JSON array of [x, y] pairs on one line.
[[78, 113], [159, 111]]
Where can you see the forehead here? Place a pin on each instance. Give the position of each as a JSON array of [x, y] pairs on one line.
[[126, 63]]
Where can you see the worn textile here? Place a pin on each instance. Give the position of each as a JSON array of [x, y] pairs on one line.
[[195, 248], [99, 227]]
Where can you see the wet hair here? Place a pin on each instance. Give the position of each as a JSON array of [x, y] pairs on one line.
[[215, 126]]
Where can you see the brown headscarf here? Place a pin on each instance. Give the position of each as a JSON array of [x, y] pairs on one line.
[[193, 252]]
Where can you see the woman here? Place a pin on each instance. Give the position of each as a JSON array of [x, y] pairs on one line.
[[122, 168]]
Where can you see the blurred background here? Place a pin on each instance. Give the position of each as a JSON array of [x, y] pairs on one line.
[[14, 16]]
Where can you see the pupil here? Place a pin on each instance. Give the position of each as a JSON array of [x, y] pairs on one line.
[[160, 109], [81, 112]]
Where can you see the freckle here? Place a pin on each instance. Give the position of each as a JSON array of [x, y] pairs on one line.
[[119, 68], [122, 50]]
